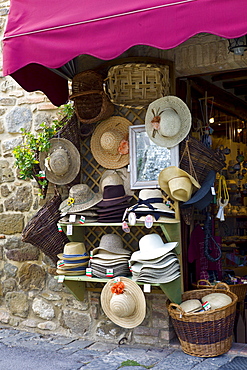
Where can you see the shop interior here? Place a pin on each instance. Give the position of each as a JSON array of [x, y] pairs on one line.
[[218, 103]]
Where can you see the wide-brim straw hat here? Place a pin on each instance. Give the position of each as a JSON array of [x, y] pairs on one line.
[[160, 259], [177, 184], [191, 305], [112, 243], [162, 219], [152, 246], [61, 162], [163, 264], [81, 197], [172, 118], [202, 198], [116, 177], [127, 309], [158, 280], [109, 142], [149, 198]]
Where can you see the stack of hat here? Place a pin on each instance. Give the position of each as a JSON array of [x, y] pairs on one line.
[[74, 259], [154, 262], [110, 259], [151, 202], [115, 200], [81, 202]]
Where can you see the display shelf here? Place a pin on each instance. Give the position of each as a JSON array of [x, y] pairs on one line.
[[77, 286]]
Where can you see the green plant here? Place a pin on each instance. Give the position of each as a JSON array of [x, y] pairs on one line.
[[27, 153], [134, 363]]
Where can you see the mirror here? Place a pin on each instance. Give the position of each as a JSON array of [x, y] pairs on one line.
[[147, 159]]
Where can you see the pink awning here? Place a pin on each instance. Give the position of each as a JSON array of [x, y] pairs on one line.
[[42, 34]]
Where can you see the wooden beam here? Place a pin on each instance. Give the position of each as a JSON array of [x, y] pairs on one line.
[[222, 99], [233, 84], [233, 75]]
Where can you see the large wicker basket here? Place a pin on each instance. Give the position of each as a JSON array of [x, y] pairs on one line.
[[91, 102], [239, 289], [42, 231], [135, 85], [208, 333]]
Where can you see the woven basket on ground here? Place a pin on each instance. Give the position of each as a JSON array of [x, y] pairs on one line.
[[42, 231], [91, 102], [135, 85], [208, 333], [239, 289]]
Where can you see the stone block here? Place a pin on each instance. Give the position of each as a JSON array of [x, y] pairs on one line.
[[4, 316], [28, 253], [11, 223], [108, 330], [43, 309], [77, 322], [18, 118], [48, 325], [9, 145], [143, 330], [9, 285], [31, 276], [167, 335], [17, 303], [10, 270], [21, 201]]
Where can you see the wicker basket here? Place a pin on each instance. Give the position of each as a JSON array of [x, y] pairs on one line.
[[204, 334], [91, 102], [42, 231], [136, 85], [239, 289]]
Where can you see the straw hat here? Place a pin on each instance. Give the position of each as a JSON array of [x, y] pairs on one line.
[[116, 177], [177, 183], [61, 162], [152, 246], [167, 121], [81, 197], [109, 142], [191, 305], [123, 302], [202, 198], [111, 243], [149, 199], [217, 300], [74, 251]]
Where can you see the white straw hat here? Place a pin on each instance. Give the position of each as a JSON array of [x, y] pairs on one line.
[[167, 121], [123, 302], [152, 246]]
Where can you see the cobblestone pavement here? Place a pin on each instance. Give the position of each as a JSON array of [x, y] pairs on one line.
[[24, 350]]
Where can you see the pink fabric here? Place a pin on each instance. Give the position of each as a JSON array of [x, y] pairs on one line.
[[173, 22]]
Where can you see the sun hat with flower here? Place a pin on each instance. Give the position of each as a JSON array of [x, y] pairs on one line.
[[167, 121], [123, 301], [109, 142]]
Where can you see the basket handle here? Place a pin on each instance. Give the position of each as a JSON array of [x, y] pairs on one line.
[[224, 285], [77, 95], [208, 284], [175, 305]]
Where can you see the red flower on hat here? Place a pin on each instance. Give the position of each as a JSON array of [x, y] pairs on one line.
[[123, 147], [118, 288]]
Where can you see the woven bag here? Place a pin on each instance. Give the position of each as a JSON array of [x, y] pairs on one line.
[[91, 102], [208, 333], [137, 85], [42, 231]]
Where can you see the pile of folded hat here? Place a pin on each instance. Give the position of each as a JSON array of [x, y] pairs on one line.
[[115, 200], [154, 262], [74, 259], [151, 203], [110, 259], [81, 202]]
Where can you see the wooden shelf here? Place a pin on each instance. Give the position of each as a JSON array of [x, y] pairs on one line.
[[77, 286]]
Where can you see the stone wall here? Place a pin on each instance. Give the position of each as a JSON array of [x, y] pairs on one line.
[[30, 297]]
